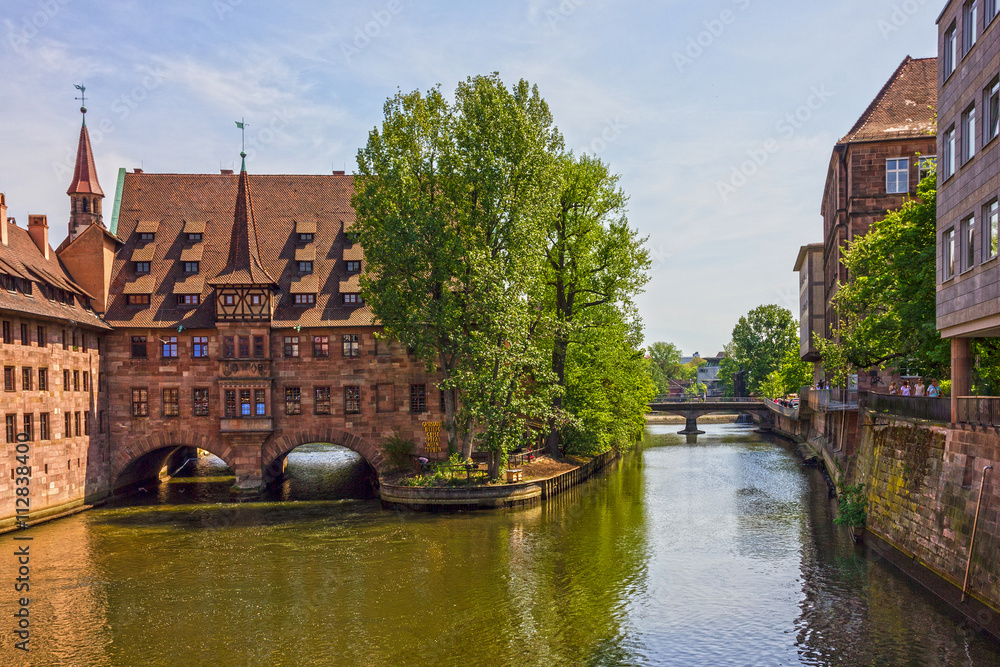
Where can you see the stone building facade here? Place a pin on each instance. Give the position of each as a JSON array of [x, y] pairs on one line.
[[968, 225]]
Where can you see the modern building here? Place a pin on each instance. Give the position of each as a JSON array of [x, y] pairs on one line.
[[812, 302], [968, 273]]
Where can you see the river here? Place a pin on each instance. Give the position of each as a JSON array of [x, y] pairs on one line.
[[720, 552]]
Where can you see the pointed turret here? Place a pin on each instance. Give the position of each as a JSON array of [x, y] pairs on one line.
[[244, 266], [84, 192]]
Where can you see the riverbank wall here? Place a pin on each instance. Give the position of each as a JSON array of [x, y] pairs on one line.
[[922, 483], [500, 496]]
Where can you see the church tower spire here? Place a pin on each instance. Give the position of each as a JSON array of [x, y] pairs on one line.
[[84, 192]]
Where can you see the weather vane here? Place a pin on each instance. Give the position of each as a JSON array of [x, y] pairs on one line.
[[82, 98], [242, 124]]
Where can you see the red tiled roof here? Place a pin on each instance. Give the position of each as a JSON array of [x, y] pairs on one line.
[[85, 173], [244, 266], [278, 201], [905, 106], [22, 259]]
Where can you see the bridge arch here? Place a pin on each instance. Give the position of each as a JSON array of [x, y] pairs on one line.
[[143, 457], [278, 446]]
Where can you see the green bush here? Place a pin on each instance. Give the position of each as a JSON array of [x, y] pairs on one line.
[[397, 450], [853, 507]]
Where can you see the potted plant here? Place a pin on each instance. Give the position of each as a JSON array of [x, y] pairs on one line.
[[852, 510]]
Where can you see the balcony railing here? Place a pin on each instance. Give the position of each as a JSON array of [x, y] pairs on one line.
[[914, 407], [246, 424], [830, 400], [979, 410]]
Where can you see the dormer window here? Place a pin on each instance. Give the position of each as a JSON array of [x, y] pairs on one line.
[[142, 267], [229, 299], [305, 267], [147, 236], [305, 238], [191, 267], [305, 299], [138, 299], [353, 266], [256, 299], [351, 298], [194, 238], [188, 299]]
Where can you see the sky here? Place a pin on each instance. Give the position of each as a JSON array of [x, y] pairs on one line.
[[719, 115]]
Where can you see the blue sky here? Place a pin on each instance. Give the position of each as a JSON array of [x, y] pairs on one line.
[[675, 95]]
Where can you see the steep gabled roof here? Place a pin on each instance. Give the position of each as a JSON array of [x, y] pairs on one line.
[[85, 172], [905, 106], [244, 266]]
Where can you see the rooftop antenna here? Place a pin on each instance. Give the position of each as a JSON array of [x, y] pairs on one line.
[[83, 100]]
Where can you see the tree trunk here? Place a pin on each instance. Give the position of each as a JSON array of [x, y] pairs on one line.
[[494, 465], [553, 441]]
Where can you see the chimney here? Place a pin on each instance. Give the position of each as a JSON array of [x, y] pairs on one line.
[[38, 230], [3, 220]]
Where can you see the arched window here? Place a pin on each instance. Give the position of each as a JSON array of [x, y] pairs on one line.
[[86, 206]]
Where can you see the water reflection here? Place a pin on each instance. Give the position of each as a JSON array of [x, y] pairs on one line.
[[720, 552]]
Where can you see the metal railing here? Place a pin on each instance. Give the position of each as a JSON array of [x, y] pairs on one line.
[[827, 400], [979, 410], [709, 399], [914, 407]]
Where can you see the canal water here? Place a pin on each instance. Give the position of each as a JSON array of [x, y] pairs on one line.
[[720, 552]]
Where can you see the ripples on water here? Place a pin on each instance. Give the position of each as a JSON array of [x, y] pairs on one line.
[[715, 553]]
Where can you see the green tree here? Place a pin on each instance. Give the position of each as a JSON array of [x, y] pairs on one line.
[[773, 385], [794, 372], [667, 357], [887, 306], [760, 341], [594, 261], [452, 202], [657, 377]]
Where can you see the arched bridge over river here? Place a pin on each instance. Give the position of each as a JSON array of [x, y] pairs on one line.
[[691, 408]]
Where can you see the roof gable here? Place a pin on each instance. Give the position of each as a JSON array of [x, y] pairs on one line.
[[904, 108]]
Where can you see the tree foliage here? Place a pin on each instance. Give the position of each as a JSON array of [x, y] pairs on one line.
[[760, 341], [667, 358]]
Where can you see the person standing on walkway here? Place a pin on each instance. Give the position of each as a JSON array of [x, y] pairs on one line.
[[905, 389], [919, 389], [934, 391], [892, 388]]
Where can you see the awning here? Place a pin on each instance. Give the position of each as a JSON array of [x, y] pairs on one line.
[[307, 254], [354, 253], [143, 285], [352, 284], [145, 253], [305, 285], [194, 226], [305, 226], [190, 285], [192, 254], [147, 226]]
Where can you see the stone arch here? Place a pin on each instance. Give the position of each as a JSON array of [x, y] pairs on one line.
[[277, 447], [141, 446]]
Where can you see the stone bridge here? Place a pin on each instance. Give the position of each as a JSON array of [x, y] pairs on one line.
[[692, 408]]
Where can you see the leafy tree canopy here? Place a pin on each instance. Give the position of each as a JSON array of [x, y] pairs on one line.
[[760, 340]]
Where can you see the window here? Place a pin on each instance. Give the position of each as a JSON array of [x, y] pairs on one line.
[[67, 425], [968, 243], [171, 402], [138, 299], [43, 426], [897, 176], [291, 346], [26, 379], [8, 379], [245, 407], [352, 400], [228, 299], [188, 299], [258, 397], [255, 300], [321, 346], [142, 267], [76, 380], [293, 401], [199, 407], [353, 266], [244, 346], [305, 267], [968, 134], [305, 238], [949, 152], [925, 164], [169, 347], [11, 429], [76, 424], [25, 339], [7, 336], [140, 402], [191, 267], [43, 379], [322, 404], [948, 254], [992, 216], [86, 428], [41, 336], [970, 14], [991, 110], [351, 298], [28, 427], [194, 238], [990, 10], [83, 341], [228, 347], [138, 347], [418, 398], [230, 403], [86, 380], [385, 397], [147, 236], [352, 347], [305, 299], [258, 347], [950, 51], [65, 380], [65, 344], [199, 348]]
